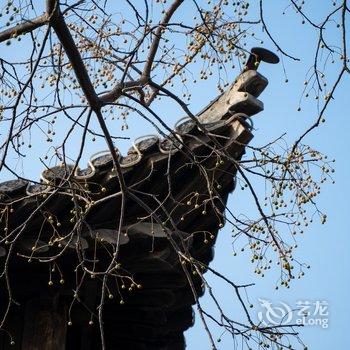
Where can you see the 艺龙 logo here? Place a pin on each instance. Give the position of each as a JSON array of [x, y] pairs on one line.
[[274, 314], [306, 313]]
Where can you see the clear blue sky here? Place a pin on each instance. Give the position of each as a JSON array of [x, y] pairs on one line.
[[324, 247]]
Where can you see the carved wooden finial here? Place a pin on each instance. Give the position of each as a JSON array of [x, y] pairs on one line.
[[258, 54]]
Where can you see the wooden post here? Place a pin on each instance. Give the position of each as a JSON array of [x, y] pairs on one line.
[[45, 325]]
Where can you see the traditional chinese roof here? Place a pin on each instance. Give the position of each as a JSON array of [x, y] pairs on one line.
[[184, 179]]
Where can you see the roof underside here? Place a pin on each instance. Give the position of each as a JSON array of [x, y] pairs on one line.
[[73, 216]]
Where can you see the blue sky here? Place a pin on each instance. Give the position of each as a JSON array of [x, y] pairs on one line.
[[324, 247]]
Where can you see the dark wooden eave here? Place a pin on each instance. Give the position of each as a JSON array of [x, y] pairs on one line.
[[159, 170]]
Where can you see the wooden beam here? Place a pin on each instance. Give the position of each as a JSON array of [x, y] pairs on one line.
[[240, 97], [45, 325]]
